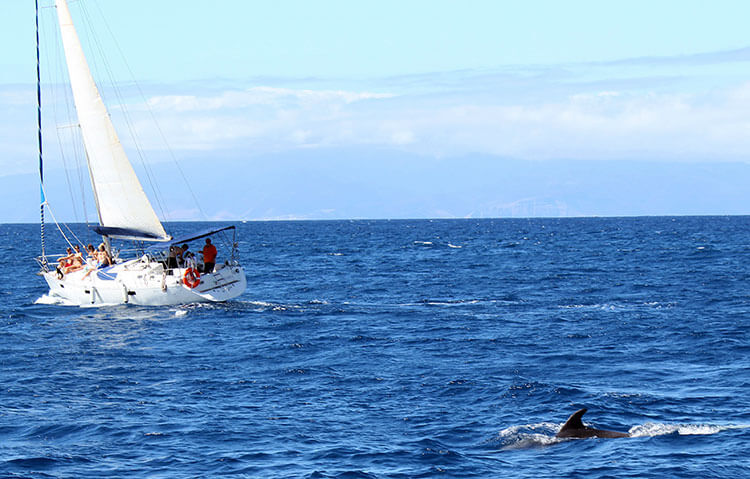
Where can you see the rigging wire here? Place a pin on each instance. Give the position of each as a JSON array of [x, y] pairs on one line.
[[56, 74], [75, 136], [60, 144], [57, 223], [56, 77], [162, 136], [204, 216], [120, 98]]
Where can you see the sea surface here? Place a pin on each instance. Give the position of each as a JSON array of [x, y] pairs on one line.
[[397, 349]]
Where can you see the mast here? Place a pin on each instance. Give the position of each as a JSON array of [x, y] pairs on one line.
[[39, 136]]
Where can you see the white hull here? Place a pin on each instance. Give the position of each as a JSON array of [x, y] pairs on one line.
[[144, 282]]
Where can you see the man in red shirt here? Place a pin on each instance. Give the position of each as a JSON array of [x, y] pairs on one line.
[[209, 256]]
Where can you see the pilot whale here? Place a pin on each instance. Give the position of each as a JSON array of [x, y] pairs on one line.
[[574, 427]]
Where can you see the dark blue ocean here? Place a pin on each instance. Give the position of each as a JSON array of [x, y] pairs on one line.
[[397, 349]]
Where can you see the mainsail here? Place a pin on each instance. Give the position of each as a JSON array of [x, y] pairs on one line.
[[124, 209]]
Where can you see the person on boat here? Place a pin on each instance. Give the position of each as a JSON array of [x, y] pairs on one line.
[[92, 262], [90, 252], [188, 258], [179, 255], [76, 262], [104, 258], [209, 256], [99, 259], [183, 254], [64, 262], [172, 257]]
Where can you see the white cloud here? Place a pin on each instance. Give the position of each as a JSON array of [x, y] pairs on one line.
[[581, 124], [572, 111], [259, 96]]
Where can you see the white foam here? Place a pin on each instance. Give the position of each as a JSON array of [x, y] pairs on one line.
[[180, 312], [47, 299], [261, 303], [459, 302], [454, 246], [527, 436], [54, 300], [651, 429], [528, 441], [617, 306], [99, 305]]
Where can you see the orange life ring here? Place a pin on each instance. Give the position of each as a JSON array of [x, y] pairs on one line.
[[191, 278]]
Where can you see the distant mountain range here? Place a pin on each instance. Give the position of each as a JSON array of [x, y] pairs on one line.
[[340, 184]]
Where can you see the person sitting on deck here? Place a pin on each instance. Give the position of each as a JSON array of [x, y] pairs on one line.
[[104, 258], [90, 252], [209, 257], [98, 259], [64, 262], [76, 262], [92, 262]]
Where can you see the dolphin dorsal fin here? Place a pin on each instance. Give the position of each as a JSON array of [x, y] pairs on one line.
[[575, 421]]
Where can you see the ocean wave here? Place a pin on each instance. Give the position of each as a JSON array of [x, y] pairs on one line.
[[618, 306], [265, 305], [449, 302]]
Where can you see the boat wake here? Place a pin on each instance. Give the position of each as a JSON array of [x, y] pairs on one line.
[[58, 301], [54, 300]]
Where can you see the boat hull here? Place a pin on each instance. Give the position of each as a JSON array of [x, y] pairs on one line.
[[144, 282]]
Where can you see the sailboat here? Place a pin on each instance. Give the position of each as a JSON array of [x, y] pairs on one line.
[[151, 276]]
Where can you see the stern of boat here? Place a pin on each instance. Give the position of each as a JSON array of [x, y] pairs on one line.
[[224, 283]]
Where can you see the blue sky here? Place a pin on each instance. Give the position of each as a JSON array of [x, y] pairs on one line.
[[537, 80], [184, 40]]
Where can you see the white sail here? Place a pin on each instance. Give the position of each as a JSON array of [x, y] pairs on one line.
[[124, 209]]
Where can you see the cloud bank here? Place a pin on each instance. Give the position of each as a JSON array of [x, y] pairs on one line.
[[578, 121], [688, 108]]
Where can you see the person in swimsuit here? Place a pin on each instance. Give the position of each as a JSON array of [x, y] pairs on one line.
[[104, 258], [76, 261]]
